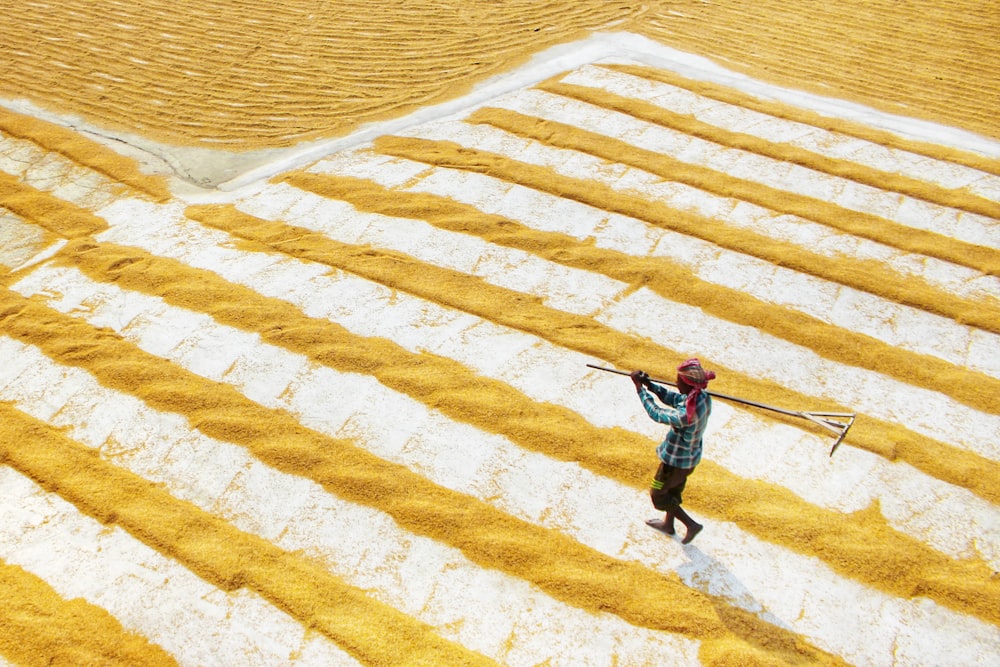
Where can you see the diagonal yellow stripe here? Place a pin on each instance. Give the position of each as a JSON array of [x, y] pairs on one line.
[[558, 565], [778, 110], [846, 543], [859, 173], [864, 225], [892, 441], [220, 553], [83, 151], [868, 276], [39, 628], [49, 212], [667, 278]]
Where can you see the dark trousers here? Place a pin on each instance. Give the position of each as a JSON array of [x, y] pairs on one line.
[[668, 484]]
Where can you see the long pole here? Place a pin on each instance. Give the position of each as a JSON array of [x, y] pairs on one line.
[[823, 419]]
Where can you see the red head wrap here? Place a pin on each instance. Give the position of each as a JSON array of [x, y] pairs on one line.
[[696, 376]]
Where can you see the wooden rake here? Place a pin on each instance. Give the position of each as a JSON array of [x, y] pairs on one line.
[[837, 423]]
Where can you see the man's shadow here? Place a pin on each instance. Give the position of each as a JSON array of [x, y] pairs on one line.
[[741, 612]]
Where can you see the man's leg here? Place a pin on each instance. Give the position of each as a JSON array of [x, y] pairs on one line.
[[667, 525], [668, 485], [693, 527]]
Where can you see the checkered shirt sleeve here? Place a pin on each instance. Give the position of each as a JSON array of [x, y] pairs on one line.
[[682, 446]]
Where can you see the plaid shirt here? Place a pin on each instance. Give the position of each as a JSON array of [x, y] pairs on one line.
[[682, 446]]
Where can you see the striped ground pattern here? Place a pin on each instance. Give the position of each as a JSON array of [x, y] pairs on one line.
[[345, 416]]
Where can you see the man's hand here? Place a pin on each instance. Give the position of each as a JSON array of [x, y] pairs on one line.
[[639, 378]]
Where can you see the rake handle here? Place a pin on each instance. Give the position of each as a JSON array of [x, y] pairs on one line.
[[837, 427], [710, 393]]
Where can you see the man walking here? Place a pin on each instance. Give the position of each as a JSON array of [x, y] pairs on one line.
[[686, 411]]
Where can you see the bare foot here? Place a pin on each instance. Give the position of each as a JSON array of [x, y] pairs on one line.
[[692, 532], [661, 526]]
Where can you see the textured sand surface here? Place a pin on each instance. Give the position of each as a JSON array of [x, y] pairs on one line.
[[253, 74]]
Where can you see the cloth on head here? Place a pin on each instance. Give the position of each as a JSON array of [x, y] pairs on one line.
[[696, 376]]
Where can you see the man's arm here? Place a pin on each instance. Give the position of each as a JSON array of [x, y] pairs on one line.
[[662, 414], [663, 393], [666, 414]]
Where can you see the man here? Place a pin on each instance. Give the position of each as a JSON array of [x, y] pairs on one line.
[[686, 411]]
